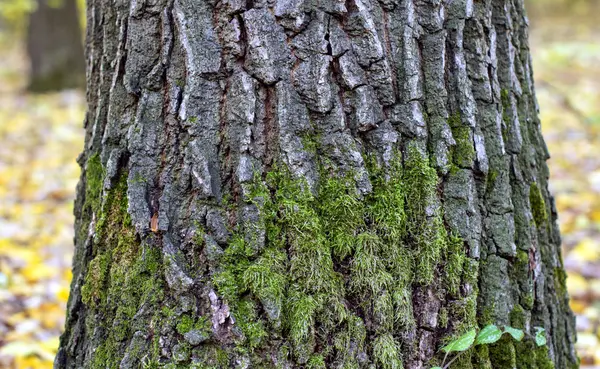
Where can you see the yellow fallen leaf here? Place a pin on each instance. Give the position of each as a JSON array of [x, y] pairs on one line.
[[51, 345], [25, 349], [578, 307], [33, 362], [38, 271], [63, 293]]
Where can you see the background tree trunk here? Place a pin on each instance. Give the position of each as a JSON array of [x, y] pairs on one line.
[[312, 184], [54, 47]]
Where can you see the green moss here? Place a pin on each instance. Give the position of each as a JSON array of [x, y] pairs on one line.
[[453, 269], [301, 316], [542, 358], [491, 180], [316, 362], [186, 323], [517, 317], [94, 180], [560, 282], [386, 240], [443, 318], [210, 357], [463, 152], [480, 358], [138, 178], [386, 352], [93, 289], [528, 299], [341, 212], [310, 142], [351, 338], [425, 225], [266, 278], [465, 360], [386, 209], [503, 353], [520, 271], [369, 275], [121, 277], [538, 205], [531, 356], [487, 315]]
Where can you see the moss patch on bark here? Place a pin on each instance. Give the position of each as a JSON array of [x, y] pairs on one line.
[[324, 249]]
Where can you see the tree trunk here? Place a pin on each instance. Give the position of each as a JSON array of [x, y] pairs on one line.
[[297, 184], [54, 47]]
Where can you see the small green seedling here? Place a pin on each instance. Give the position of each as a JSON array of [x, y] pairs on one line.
[[540, 336], [486, 336]]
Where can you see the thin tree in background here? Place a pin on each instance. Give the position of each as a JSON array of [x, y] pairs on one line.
[[54, 47], [301, 184]]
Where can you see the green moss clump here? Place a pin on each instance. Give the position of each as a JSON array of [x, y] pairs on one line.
[[369, 275], [121, 278], [463, 153], [491, 180], [480, 358], [503, 353], [93, 289], [310, 142], [517, 317], [267, 280], [387, 240], [443, 318], [465, 360], [387, 352], [453, 270], [316, 362], [530, 356], [538, 205], [342, 214], [94, 180], [560, 282], [187, 323], [425, 225]]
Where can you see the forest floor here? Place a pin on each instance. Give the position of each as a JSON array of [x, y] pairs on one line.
[[41, 135]]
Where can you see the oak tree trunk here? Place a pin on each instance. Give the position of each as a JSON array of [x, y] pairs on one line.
[[312, 184], [54, 47]]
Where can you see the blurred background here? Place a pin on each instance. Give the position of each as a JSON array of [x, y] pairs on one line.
[[41, 113]]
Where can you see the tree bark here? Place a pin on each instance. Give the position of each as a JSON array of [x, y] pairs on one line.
[[296, 184], [54, 47]]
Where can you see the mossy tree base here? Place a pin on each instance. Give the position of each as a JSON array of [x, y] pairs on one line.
[[348, 185]]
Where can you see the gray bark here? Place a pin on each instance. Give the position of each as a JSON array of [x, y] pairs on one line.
[[295, 183], [54, 47]]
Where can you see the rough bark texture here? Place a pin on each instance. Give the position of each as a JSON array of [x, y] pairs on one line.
[[54, 47], [312, 184]]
